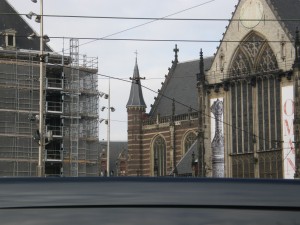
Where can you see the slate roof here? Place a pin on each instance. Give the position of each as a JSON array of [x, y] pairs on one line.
[[184, 166], [180, 84], [22, 28], [287, 9], [136, 95]]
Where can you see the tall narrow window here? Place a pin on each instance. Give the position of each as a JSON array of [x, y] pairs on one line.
[[159, 150], [189, 141]]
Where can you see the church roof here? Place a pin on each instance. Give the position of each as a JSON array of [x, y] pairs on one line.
[[181, 85], [136, 95], [14, 21], [184, 166], [287, 9]]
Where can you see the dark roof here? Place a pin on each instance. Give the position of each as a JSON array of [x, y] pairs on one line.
[[184, 166], [18, 24], [136, 95], [180, 84], [287, 9]]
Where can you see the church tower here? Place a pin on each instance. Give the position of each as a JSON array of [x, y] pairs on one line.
[[135, 110]]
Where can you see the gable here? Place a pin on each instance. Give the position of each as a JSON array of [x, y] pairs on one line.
[[237, 41], [17, 23]]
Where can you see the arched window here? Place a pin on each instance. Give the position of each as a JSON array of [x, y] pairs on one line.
[[189, 141], [255, 107], [253, 57], [159, 150]]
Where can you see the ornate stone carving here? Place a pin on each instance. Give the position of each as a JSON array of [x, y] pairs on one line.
[[267, 62], [240, 65], [218, 141], [253, 46], [254, 55]]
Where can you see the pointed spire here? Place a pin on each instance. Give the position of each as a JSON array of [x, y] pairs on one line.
[[136, 73], [136, 98], [176, 50], [201, 63], [201, 74]]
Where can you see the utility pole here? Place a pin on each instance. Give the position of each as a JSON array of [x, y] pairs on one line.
[[40, 169]]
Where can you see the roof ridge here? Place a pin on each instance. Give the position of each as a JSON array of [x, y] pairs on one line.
[[163, 88]]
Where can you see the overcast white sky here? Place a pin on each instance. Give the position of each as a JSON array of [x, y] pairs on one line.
[[117, 58]]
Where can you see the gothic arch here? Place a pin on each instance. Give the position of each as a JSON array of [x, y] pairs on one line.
[[188, 140], [253, 55], [159, 156]]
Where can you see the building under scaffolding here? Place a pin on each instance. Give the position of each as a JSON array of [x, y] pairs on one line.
[[71, 115], [70, 112]]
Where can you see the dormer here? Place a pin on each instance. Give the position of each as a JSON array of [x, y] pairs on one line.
[[9, 37]]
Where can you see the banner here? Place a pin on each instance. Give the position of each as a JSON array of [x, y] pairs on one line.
[[288, 131]]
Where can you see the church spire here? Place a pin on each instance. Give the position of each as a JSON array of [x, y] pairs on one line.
[[136, 98], [176, 50], [201, 75]]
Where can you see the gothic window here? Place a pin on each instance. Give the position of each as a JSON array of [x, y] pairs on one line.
[[243, 166], [253, 55], [189, 141], [242, 117], [268, 100], [240, 65], [255, 101], [159, 154], [253, 46], [270, 164]]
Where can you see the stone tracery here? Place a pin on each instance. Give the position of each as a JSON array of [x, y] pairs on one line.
[[253, 55]]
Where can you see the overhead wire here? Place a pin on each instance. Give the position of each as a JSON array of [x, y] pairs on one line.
[[206, 115], [189, 107], [105, 38], [160, 40], [156, 18], [146, 23]]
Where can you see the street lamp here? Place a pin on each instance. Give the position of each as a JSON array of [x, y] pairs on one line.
[[39, 19], [112, 109], [34, 36]]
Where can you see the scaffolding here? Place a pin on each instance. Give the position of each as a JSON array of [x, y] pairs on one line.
[[71, 114], [19, 90], [81, 114], [74, 114]]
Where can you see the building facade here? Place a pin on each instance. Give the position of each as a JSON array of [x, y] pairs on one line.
[[70, 91], [242, 120]]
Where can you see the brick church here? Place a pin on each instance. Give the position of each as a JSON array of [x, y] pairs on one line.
[[235, 114]]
